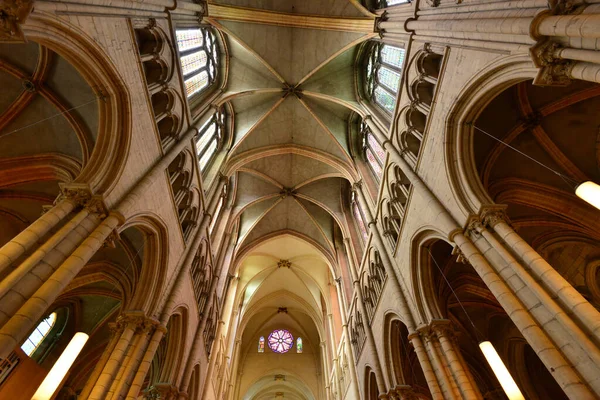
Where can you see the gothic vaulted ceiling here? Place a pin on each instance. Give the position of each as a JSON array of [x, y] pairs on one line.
[[292, 90]]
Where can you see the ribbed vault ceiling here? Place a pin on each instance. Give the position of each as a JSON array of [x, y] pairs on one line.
[[292, 91]]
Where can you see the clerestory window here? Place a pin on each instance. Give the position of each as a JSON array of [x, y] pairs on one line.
[[199, 57], [372, 151], [210, 138], [383, 74], [38, 335]]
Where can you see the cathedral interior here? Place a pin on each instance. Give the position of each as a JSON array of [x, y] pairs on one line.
[[299, 199]]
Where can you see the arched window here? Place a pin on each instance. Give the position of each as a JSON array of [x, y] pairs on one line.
[[38, 335], [261, 344], [372, 150], [383, 74], [299, 345], [389, 3], [223, 195], [281, 341], [210, 138], [358, 217], [199, 58]]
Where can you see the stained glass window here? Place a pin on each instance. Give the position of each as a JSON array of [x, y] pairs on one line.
[[299, 345], [199, 58], [358, 217], [39, 334], [261, 344], [372, 151], [389, 3], [210, 138], [281, 341], [383, 74]]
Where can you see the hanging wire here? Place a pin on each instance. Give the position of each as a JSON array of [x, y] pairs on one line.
[[477, 332], [570, 181], [47, 118]]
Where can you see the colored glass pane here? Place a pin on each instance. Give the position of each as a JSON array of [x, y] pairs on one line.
[[359, 221], [205, 137], [38, 335], [196, 83], [212, 147], [189, 39], [193, 62], [394, 2], [299, 345], [261, 344], [280, 341], [384, 99], [392, 55], [376, 147], [389, 78], [373, 163]]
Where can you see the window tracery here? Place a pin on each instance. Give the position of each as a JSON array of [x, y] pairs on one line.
[[199, 57], [372, 151], [38, 335], [383, 74], [280, 341], [358, 217], [210, 138]]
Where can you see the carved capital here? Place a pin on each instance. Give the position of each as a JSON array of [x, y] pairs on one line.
[[79, 193], [557, 74], [474, 227], [13, 14], [442, 328], [492, 215], [405, 392], [460, 256]]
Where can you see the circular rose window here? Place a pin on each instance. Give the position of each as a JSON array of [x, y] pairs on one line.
[[280, 341]]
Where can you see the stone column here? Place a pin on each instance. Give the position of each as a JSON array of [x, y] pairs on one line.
[[236, 361], [550, 355], [460, 371], [146, 362], [326, 369], [348, 347], [116, 332], [405, 392], [145, 327], [25, 240], [15, 330], [126, 323], [425, 362], [441, 369], [560, 289], [381, 382]]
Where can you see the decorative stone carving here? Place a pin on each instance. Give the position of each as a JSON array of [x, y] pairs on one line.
[[490, 216], [76, 192], [13, 13], [460, 257], [474, 227], [284, 264], [553, 71]]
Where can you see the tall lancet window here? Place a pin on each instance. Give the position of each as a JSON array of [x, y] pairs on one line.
[[210, 138], [383, 74], [299, 345], [389, 3], [39, 334], [261, 344], [372, 151], [358, 217], [199, 56]]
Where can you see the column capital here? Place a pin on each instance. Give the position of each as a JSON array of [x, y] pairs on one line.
[[493, 214], [139, 321], [79, 193], [442, 327], [12, 15], [405, 392], [473, 227], [552, 70]]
